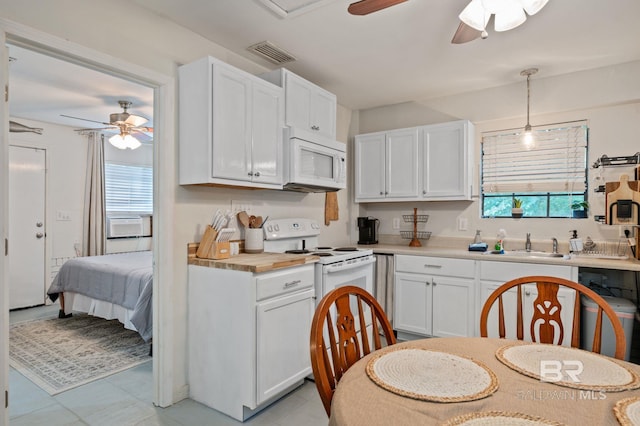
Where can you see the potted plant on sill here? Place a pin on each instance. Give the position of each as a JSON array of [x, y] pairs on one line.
[[516, 210], [580, 208]]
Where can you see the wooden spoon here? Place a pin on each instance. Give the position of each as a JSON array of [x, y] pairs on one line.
[[252, 221], [243, 217], [258, 222]]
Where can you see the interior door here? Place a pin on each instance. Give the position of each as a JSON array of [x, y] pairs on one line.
[[4, 292], [26, 227]]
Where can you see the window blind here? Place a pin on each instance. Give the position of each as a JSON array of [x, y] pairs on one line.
[[128, 188], [556, 163]]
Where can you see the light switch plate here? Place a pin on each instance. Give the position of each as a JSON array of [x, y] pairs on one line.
[[463, 224]]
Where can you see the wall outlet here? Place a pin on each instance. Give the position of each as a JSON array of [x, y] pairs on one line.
[[63, 215], [623, 228], [463, 224], [396, 223], [238, 206]]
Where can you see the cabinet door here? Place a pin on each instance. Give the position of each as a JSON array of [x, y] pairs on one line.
[[283, 325], [266, 148], [369, 167], [323, 113], [445, 162], [298, 102], [453, 307], [412, 303], [231, 130], [402, 163]]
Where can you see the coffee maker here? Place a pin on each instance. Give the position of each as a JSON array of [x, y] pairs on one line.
[[368, 230]]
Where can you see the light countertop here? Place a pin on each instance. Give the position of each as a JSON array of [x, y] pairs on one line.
[[570, 260]]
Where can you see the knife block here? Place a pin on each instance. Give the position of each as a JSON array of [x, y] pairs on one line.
[[209, 248]]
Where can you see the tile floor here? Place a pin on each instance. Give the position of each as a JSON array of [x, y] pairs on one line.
[[125, 399]]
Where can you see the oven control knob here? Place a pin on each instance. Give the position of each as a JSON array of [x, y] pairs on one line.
[[269, 228], [277, 228]]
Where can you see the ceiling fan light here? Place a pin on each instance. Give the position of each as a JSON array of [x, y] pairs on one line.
[[131, 142], [509, 18], [475, 15], [499, 6], [118, 142], [533, 6]]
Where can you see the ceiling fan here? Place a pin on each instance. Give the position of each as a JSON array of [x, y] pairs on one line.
[[365, 7], [125, 123]]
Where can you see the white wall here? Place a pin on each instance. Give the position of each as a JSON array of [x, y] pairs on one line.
[[154, 42]]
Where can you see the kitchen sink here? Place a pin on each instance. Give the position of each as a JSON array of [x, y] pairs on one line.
[[524, 253]]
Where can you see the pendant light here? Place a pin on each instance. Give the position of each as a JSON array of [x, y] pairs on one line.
[[124, 140], [527, 137]]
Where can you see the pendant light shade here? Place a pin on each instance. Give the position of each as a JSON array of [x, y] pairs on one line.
[[475, 15], [528, 139]]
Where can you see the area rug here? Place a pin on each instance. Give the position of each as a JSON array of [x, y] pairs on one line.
[[61, 354]]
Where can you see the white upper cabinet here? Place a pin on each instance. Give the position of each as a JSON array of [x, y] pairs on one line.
[[230, 127], [447, 163], [432, 162], [386, 166], [307, 106]]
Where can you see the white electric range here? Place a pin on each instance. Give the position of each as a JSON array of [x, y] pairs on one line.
[[337, 267]]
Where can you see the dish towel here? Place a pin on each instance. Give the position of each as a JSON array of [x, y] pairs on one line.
[[330, 207]]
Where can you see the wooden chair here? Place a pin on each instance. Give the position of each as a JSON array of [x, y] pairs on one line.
[[546, 313], [330, 360]]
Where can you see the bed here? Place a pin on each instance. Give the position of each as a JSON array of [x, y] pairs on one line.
[[113, 286]]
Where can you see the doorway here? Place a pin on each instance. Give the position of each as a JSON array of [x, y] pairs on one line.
[[27, 230], [61, 217]]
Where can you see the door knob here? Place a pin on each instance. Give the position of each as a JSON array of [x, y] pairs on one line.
[[39, 224], [39, 235]]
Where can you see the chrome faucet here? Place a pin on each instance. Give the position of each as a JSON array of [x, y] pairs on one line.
[[527, 244], [555, 245]]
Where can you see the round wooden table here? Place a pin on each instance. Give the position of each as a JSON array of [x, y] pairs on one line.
[[360, 401]]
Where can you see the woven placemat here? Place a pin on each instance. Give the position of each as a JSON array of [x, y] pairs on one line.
[[431, 375], [599, 373], [499, 418], [627, 411]]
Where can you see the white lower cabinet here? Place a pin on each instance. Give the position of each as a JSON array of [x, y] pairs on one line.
[[494, 274], [248, 336], [434, 297]]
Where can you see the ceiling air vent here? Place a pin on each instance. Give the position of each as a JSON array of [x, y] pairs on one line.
[[271, 52]]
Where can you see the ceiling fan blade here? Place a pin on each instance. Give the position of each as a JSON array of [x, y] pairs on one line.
[[97, 128], [465, 34], [85, 119], [365, 7], [135, 120]]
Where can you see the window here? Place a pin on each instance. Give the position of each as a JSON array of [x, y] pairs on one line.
[[548, 178], [128, 188]]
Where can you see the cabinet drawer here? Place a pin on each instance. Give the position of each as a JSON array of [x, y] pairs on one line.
[[285, 281], [436, 266], [505, 271]]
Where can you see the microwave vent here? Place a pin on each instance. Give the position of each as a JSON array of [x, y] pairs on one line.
[[271, 52], [121, 227]]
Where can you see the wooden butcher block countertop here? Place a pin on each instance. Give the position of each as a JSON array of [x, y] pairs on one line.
[[259, 262]]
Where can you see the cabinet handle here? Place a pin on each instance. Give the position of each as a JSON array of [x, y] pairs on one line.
[[426, 265], [291, 284], [434, 284], [381, 193], [386, 193], [424, 192], [315, 128], [428, 283], [527, 293], [250, 173], [257, 174]]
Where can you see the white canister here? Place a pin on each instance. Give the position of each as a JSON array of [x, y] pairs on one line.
[[253, 240]]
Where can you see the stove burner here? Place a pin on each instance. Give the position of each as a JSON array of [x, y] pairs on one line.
[[324, 248], [322, 253], [345, 249], [303, 251]]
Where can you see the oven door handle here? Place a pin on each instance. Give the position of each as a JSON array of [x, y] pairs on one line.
[[347, 266]]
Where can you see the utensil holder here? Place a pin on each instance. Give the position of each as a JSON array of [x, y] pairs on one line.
[[253, 240], [210, 249]]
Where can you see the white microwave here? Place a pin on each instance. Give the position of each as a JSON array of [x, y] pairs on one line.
[[314, 163]]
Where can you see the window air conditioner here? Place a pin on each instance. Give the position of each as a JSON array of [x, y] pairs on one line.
[[120, 227]]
